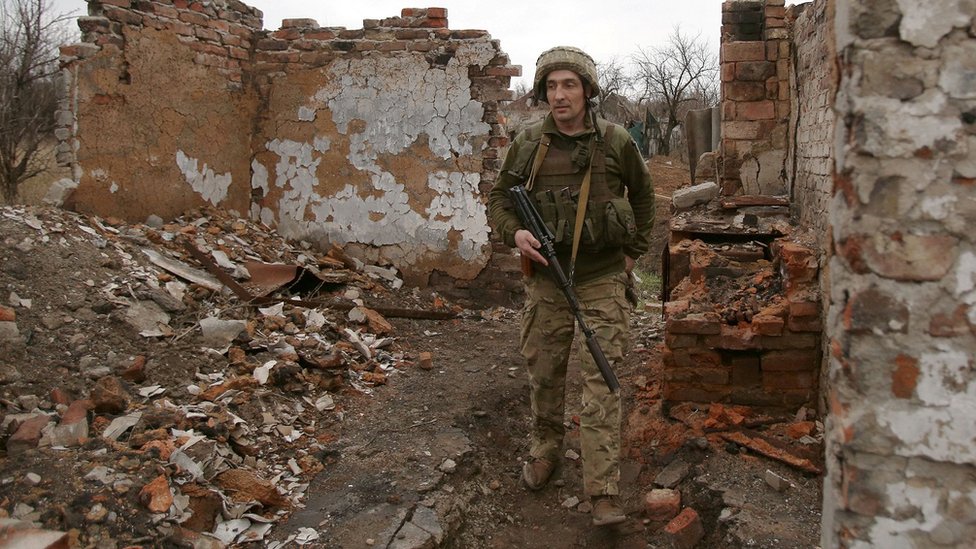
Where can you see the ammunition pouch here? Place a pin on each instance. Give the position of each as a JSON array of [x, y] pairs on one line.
[[608, 224]]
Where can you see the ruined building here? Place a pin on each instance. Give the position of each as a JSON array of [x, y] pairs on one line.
[[381, 139], [835, 267]]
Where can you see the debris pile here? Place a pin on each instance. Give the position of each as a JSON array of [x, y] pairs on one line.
[[105, 441], [742, 306]]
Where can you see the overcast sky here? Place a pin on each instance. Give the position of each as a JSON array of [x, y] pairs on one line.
[[605, 29]]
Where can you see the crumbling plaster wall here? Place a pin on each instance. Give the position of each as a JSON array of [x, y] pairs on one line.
[[382, 140], [901, 435], [155, 118], [382, 148]]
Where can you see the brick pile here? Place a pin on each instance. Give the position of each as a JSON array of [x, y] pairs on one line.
[[766, 355]]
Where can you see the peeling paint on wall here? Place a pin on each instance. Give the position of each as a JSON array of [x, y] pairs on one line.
[[210, 185], [894, 533], [386, 110]]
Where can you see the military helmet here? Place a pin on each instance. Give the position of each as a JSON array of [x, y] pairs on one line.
[[564, 57]]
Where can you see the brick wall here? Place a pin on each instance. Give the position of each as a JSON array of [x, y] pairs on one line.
[[814, 83], [383, 140], [755, 73], [901, 435], [156, 115]]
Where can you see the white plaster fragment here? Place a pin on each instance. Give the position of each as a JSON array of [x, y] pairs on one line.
[[893, 533], [939, 207], [306, 114], [113, 188], [210, 185], [259, 177], [921, 123], [925, 23], [322, 144], [942, 428], [966, 277]]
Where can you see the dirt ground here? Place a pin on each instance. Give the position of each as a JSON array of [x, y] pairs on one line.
[[321, 426]]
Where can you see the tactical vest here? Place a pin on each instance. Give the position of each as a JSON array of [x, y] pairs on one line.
[[609, 220]]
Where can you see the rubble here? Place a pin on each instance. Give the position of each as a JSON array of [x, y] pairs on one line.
[[118, 416]]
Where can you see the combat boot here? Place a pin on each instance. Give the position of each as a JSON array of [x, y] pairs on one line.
[[606, 511], [536, 472]]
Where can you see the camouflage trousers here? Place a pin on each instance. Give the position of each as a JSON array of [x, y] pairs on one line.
[[548, 330]]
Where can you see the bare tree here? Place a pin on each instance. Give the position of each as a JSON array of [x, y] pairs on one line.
[[676, 77], [613, 81], [29, 40]]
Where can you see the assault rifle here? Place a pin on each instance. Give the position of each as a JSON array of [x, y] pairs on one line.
[[533, 222]]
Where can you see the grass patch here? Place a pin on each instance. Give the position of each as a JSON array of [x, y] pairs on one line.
[[648, 285]]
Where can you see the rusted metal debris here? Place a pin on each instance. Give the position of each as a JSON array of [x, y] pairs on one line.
[[297, 278], [758, 444]]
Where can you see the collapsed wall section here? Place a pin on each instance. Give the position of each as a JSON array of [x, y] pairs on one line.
[[901, 440], [743, 270], [382, 140], [156, 113]]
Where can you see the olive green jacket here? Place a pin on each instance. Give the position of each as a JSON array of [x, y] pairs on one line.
[[626, 175]]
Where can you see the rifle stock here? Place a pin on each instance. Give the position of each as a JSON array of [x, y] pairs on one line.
[[532, 221]]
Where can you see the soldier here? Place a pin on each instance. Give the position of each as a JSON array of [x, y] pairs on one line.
[[574, 161]]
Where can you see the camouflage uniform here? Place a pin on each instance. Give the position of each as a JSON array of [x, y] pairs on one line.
[[548, 324]]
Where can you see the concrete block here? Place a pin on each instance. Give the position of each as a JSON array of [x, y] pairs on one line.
[[696, 194]]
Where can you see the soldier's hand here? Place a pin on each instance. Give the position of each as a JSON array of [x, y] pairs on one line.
[[529, 246]]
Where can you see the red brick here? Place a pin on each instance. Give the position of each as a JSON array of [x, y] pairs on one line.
[[696, 358], [60, 396], [768, 325], [805, 308], [791, 341], [437, 13], [743, 51], [675, 341], [7, 314], [790, 361], [503, 71], [77, 411], [27, 435], [469, 35], [157, 495], [755, 110], [686, 392], [685, 530], [800, 429], [662, 504], [695, 323], [676, 307], [805, 324], [734, 338], [705, 376], [905, 377], [788, 380], [748, 130], [946, 325]]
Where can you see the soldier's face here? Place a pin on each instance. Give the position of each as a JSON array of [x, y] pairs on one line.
[[567, 100]]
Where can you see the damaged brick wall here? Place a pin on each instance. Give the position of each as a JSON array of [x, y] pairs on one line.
[[811, 138], [156, 117], [901, 435], [745, 320], [755, 90], [382, 140]]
